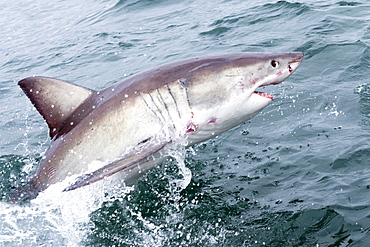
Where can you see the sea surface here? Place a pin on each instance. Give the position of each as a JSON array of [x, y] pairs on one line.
[[297, 174]]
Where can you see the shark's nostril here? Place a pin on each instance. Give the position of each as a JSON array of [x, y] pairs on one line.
[[290, 69]]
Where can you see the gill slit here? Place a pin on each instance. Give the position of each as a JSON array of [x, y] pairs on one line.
[[161, 118], [182, 85], [174, 100], [165, 107]]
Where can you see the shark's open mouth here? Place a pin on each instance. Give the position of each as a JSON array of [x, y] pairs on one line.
[[266, 95]]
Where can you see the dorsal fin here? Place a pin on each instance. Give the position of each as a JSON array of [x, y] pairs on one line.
[[54, 99]]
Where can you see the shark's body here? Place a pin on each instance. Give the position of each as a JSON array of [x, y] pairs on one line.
[[124, 125]]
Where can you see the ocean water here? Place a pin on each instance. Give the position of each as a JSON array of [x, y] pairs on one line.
[[297, 174]]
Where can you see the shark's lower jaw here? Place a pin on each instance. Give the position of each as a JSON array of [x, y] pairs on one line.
[[265, 95]]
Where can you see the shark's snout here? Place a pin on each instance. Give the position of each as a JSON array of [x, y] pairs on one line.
[[284, 66], [295, 62]]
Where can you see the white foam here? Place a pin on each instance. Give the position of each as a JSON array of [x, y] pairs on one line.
[[55, 218]]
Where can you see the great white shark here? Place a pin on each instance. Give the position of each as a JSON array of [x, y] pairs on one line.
[[127, 125]]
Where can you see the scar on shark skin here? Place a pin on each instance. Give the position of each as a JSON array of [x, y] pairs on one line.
[[254, 81], [191, 127], [212, 121], [239, 84]]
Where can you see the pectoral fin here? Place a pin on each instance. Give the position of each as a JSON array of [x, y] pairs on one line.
[[127, 163]]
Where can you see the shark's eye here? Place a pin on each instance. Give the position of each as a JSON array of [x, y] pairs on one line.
[[274, 63]]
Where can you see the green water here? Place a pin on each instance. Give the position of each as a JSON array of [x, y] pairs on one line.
[[297, 174]]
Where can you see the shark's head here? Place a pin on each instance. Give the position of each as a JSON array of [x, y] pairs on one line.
[[223, 93]]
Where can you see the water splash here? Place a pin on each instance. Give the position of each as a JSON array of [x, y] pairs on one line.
[[56, 218], [183, 178]]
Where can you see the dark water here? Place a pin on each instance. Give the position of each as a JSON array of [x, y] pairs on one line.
[[298, 174]]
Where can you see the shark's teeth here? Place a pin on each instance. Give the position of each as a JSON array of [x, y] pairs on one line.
[[268, 84], [266, 95]]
